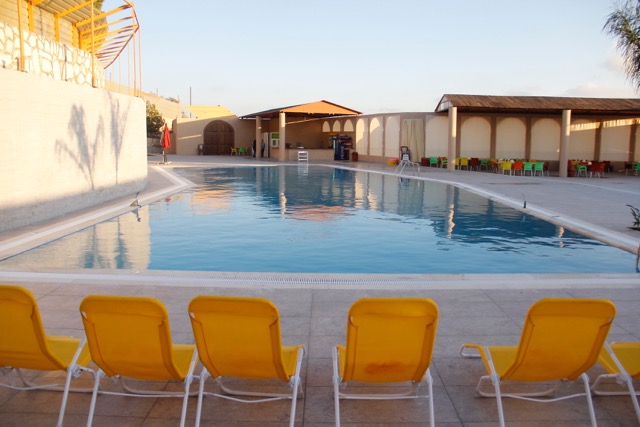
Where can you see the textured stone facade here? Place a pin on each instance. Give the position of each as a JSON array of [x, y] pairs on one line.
[[48, 58]]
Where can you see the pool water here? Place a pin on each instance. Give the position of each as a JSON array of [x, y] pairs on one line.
[[326, 220]]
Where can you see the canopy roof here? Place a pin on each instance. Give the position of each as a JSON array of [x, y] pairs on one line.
[[319, 109], [539, 104], [112, 30]]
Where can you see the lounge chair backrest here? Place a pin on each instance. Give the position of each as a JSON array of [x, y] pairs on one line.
[[23, 342], [561, 339], [390, 339], [130, 336], [238, 336]]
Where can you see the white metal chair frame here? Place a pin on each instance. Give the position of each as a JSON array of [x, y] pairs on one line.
[[131, 392], [339, 391], [73, 371], [294, 385], [495, 380], [622, 377]]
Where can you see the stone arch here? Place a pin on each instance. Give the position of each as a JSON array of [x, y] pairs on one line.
[[218, 138], [348, 126]]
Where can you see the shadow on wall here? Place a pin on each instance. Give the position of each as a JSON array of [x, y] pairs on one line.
[[85, 154]]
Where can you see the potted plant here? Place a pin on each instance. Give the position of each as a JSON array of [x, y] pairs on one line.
[[636, 218]]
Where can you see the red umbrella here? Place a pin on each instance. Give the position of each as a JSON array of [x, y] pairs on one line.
[[166, 143]]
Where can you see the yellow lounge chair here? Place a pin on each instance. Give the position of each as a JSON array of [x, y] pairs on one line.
[[25, 345], [130, 337], [561, 339], [622, 362], [389, 340], [240, 337]]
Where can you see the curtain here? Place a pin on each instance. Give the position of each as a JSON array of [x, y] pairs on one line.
[[413, 137]]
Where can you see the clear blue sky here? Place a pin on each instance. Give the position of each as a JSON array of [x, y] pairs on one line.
[[375, 56]]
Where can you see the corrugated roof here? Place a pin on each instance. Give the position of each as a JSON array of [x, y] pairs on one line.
[[317, 109], [539, 104]]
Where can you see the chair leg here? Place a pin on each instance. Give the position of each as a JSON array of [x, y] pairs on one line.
[[496, 385], [432, 419], [296, 384], [336, 385], [495, 379], [187, 388], [587, 390], [203, 379], [96, 384], [71, 371]]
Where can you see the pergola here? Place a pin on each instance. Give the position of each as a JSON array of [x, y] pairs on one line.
[[561, 106], [303, 112], [105, 34]]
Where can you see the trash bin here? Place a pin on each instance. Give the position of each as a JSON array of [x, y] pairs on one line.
[[354, 156]]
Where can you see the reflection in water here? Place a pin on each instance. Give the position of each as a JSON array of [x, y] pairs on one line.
[[320, 219]]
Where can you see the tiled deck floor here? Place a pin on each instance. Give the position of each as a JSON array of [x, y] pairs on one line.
[[316, 317]]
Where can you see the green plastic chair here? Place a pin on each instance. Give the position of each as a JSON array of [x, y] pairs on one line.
[[527, 167], [581, 169]]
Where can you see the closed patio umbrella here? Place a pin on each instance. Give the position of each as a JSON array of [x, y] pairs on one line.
[[166, 143]]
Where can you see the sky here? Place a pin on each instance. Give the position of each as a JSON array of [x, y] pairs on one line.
[[374, 56]]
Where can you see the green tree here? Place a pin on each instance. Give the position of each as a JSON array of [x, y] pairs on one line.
[[624, 24], [155, 122]]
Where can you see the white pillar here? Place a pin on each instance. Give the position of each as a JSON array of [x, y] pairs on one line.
[[564, 143], [453, 137], [283, 124], [258, 137]]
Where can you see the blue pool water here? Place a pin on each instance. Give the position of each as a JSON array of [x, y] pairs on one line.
[[320, 219]]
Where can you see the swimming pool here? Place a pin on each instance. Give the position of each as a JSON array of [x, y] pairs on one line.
[[325, 220]]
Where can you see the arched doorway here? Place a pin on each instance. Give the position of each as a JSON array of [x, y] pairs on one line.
[[218, 138]]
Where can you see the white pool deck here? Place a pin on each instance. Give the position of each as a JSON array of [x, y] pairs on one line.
[[487, 309]]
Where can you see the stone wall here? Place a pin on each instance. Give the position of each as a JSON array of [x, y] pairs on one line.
[[45, 57]]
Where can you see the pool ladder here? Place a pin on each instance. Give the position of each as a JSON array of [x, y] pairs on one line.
[[403, 163]]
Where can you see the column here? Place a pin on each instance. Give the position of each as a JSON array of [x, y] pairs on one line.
[[283, 124], [451, 152], [258, 137], [565, 137]]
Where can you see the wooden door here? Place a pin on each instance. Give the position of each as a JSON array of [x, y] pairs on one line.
[[218, 138]]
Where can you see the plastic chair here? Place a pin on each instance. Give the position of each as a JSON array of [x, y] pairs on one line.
[[130, 337], [561, 339], [518, 166], [242, 151], [444, 162], [433, 161], [581, 169], [25, 345], [484, 163], [389, 340], [474, 163], [240, 337], [527, 167], [234, 151], [505, 166], [538, 167], [622, 362]]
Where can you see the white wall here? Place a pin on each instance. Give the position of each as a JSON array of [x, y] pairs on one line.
[[511, 134], [65, 147]]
